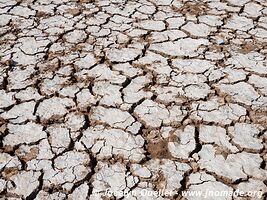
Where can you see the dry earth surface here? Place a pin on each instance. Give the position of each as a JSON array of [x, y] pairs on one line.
[[127, 95]]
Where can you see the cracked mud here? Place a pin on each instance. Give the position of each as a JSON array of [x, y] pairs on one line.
[[126, 95]]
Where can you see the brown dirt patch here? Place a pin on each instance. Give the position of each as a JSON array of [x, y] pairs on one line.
[[159, 149], [190, 8], [2, 128], [160, 182], [41, 14], [11, 171], [249, 47], [87, 1], [222, 151], [28, 155], [74, 11], [259, 117]]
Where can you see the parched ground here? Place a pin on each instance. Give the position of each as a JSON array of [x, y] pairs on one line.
[[126, 96]]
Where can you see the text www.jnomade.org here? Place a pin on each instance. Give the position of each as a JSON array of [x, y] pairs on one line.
[[196, 193]]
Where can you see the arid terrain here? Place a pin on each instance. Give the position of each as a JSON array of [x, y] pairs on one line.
[[135, 100]]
